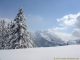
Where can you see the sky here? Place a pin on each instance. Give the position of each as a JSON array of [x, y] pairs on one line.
[[56, 15]]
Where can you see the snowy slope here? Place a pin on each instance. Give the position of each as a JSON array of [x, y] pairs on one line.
[[50, 38], [48, 53], [47, 39]]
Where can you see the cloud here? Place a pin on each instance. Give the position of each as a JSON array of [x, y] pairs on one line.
[[78, 21], [70, 20], [76, 32], [59, 28], [65, 21], [62, 35]]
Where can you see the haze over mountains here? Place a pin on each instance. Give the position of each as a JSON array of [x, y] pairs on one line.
[[48, 38]]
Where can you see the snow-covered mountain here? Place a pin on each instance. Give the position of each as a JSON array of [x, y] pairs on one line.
[[46, 53], [48, 39]]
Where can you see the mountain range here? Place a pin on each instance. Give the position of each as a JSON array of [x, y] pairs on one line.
[[49, 39]]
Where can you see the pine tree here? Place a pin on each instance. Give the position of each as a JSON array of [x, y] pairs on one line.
[[7, 36], [19, 35], [2, 34]]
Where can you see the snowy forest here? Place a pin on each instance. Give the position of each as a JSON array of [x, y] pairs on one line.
[[15, 35]]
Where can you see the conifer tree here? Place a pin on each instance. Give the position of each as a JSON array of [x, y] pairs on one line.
[[19, 35], [2, 34], [7, 36]]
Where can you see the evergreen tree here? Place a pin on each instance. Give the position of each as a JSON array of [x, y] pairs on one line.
[[7, 36], [2, 34], [19, 36]]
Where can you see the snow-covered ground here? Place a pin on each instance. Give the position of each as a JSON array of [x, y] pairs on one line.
[[47, 53]]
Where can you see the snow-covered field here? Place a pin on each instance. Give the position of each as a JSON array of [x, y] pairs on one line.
[[47, 53]]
